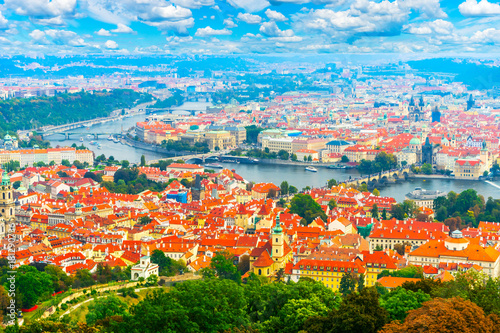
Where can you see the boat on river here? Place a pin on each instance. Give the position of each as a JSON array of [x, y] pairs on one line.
[[214, 166], [110, 138], [311, 169]]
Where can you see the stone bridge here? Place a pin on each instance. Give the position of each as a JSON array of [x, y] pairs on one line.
[[380, 179]]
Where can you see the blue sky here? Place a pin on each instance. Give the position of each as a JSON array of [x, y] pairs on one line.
[[249, 26]]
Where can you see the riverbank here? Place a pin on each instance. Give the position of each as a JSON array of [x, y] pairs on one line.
[[154, 148], [439, 177]]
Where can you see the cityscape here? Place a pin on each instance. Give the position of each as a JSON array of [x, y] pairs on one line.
[[250, 166]]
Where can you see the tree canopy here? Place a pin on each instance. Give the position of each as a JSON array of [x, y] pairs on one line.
[[305, 206]]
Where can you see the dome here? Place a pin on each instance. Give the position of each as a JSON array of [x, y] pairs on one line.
[[94, 208], [78, 205], [5, 179], [415, 141], [445, 141], [7, 137]]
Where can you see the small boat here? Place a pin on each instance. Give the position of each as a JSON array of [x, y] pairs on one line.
[[214, 166], [99, 146], [81, 139], [116, 140], [89, 136], [311, 169], [93, 142], [110, 138]]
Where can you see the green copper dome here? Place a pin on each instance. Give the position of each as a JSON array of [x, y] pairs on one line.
[[277, 229], [415, 141], [5, 179]]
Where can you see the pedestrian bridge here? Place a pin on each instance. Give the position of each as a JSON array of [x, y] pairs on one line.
[[379, 179]]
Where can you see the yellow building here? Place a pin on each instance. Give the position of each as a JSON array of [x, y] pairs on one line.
[[468, 168], [221, 139], [328, 272]]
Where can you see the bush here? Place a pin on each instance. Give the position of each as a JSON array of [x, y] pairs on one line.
[[64, 306]]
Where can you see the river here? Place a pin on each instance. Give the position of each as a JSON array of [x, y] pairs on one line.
[[294, 175]]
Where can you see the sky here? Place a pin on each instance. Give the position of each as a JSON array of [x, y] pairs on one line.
[[248, 26]]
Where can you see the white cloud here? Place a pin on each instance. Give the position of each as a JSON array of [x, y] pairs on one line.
[[229, 23], [331, 3], [209, 32], [53, 21], [249, 5], [270, 29], [363, 18], [111, 44], [490, 35], [166, 13], [194, 4], [482, 8], [275, 16], [428, 8], [4, 23], [103, 32], [122, 28], [58, 37], [38, 37], [42, 8], [440, 27], [249, 18]]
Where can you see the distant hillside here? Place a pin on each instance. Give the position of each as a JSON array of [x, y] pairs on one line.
[[26, 113], [474, 75]]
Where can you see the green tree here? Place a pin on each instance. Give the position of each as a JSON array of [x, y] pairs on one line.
[[209, 305], [66, 163], [292, 189], [144, 220], [376, 192], [347, 284], [143, 160], [426, 169], [294, 157], [358, 313], [284, 187], [332, 204], [223, 266], [309, 158], [283, 154], [344, 159], [384, 214], [17, 184], [32, 285], [331, 183], [125, 164], [305, 206], [374, 211], [105, 307], [399, 301]]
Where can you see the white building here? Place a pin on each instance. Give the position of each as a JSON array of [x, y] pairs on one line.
[[144, 269]]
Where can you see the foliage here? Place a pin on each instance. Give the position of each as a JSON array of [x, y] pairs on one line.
[[426, 168], [344, 159], [382, 162], [469, 207], [105, 307], [332, 204], [179, 145], [252, 133], [223, 267], [347, 284], [128, 181], [399, 301], [210, 305], [404, 210], [374, 211], [167, 265], [32, 285], [331, 183], [446, 315], [305, 206], [410, 271], [283, 155], [358, 313], [144, 220], [24, 113], [174, 100], [284, 187]]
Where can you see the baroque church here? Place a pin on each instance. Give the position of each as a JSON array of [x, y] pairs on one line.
[[7, 204]]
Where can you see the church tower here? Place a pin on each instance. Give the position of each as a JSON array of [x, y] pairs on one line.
[[7, 203], [277, 241], [484, 157]]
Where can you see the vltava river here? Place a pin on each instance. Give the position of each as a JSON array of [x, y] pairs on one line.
[[294, 175]]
